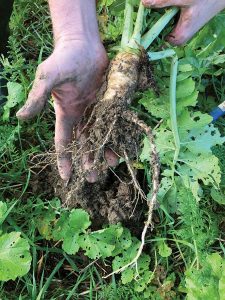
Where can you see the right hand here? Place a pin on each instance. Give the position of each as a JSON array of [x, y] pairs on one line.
[[194, 15]]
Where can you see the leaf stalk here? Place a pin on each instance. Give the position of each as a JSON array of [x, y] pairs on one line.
[[136, 37], [173, 106], [157, 28], [128, 23]]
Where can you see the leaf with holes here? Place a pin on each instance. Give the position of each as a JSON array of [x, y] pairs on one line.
[[127, 255], [69, 227], [201, 167], [123, 240], [141, 283], [71, 242], [15, 258], [100, 243], [208, 282]]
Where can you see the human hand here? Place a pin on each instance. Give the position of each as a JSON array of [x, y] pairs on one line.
[[72, 74], [194, 15]]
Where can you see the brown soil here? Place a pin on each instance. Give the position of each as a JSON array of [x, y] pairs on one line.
[[107, 201]]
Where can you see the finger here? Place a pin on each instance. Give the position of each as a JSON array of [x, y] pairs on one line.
[[166, 3], [111, 157], [87, 163], [87, 158], [63, 138], [191, 20], [184, 29], [44, 81]]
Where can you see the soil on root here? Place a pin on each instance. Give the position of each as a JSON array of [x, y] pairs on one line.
[[117, 195], [108, 201]]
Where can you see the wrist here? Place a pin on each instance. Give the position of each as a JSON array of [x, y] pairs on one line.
[[74, 20]]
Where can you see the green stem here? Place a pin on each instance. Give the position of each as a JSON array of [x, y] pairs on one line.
[[136, 37], [173, 107], [161, 54], [156, 29], [128, 23]]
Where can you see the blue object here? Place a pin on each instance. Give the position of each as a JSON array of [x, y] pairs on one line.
[[218, 112]]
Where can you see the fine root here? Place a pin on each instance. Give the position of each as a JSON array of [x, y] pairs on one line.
[[155, 187]]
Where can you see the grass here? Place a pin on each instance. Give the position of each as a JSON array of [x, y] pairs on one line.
[[54, 274]]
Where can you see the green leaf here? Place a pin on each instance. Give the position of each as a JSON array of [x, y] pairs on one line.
[[164, 249], [71, 242], [167, 195], [127, 275], [104, 243], [45, 222], [158, 106], [61, 227], [8, 135], [16, 96], [217, 264], [192, 121], [207, 282], [185, 67], [218, 196], [211, 37], [127, 255], [143, 263], [165, 145], [222, 283], [69, 228], [141, 283], [190, 100], [100, 243], [79, 220], [203, 140], [123, 240], [15, 258], [145, 154], [200, 167], [3, 211], [185, 88]]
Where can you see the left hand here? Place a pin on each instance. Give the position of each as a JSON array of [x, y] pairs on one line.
[[72, 74]]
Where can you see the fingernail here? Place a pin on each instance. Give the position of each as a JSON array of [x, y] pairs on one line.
[[112, 158], [65, 177], [170, 39], [92, 177], [148, 2], [65, 171], [19, 112]]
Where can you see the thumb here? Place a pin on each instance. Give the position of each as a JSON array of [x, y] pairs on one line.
[[44, 82]]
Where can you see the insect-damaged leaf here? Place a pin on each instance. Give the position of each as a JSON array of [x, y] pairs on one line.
[[69, 228], [15, 258], [208, 282], [101, 243]]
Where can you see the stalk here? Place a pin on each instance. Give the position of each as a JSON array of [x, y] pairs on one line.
[[128, 23], [136, 37], [161, 54], [173, 107], [156, 29]]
